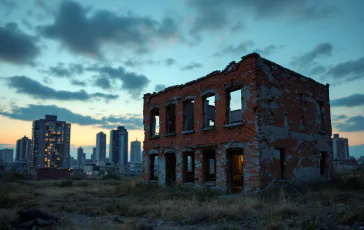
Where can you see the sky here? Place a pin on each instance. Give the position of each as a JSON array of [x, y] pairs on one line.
[[90, 62]]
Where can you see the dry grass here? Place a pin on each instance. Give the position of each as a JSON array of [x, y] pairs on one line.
[[295, 207]]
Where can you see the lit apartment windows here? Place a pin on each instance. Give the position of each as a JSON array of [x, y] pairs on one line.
[[154, 125], [209, 111], [188, 115], [170, 119], [234, 106]]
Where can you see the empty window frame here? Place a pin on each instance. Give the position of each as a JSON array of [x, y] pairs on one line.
[[153, 166], [209, 111], [154, 125], [234, 106], [322, 116], [282, 163], [170, 119], [188, 115], [209, 166]]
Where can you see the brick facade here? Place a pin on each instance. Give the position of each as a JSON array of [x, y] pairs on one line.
[[282, 131]]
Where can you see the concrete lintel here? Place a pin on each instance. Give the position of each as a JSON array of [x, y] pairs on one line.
[[156, 106], [169, 150], [234, 85], [189, 98], [153, 151], [189, 149], [208, 92], [171, 102], [234, 145]]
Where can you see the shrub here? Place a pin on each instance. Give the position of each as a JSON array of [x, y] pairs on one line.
[[111, 176], [65, 183], [15, 176]]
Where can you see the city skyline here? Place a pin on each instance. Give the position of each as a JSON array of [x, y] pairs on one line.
[[95, 78]]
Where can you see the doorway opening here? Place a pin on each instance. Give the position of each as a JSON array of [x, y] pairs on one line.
[[170, 168], [189, 167], [153, 159], [235, 170], [209, 166]]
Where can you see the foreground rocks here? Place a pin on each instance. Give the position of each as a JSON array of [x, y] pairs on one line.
[[30, 218]]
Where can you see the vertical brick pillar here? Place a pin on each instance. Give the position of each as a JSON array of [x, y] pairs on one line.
[[221, 169], [179, 167], [161, 169], [198, 168]]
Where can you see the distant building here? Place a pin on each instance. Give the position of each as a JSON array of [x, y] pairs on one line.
[[100, 146], [50, 143], [7, 155], [119, 147], [340, 147], [135, 153], [93, 155], [80, 157], [345, 164], [23, 148]]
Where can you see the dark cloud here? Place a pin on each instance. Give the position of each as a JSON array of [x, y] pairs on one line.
[[348, 71], [17, 47], [27, 24], [102, 81], [216, 14], [239, 49], [86, 34], [267, 50], [61, 70], [34, 112], [350, 101], [133, 83], [25, 85], [170, 61], [339, 117], [191, 66], [133, 122], [237, 27], [316, 70], [8, 5], [322, 49], [138, 63], [78, 83], [353, 124], [159, 87]]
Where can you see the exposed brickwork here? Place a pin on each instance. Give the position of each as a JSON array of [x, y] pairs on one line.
[[274, 101]]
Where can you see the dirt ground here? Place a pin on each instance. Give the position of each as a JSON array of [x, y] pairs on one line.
[[129, 204]]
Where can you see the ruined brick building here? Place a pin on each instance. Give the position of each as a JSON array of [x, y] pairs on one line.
[[279, 132]]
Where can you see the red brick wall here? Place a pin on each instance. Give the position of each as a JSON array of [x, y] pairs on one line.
[[263, 129]]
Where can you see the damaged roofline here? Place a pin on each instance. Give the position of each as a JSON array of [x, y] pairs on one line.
[[244, 58]]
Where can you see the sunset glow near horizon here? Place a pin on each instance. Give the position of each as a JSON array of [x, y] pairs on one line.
[[90, 62]]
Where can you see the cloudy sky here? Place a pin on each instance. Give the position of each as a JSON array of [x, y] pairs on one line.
[[90, 62]]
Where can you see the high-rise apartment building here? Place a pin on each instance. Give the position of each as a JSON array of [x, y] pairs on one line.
[[23, 148], [100, 146], [7, 155], [340, 147], [135, 153], [50, 143], [93, 155], [119, 146], [80, 157]]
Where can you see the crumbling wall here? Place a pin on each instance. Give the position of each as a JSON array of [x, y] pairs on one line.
[[289, 117]]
